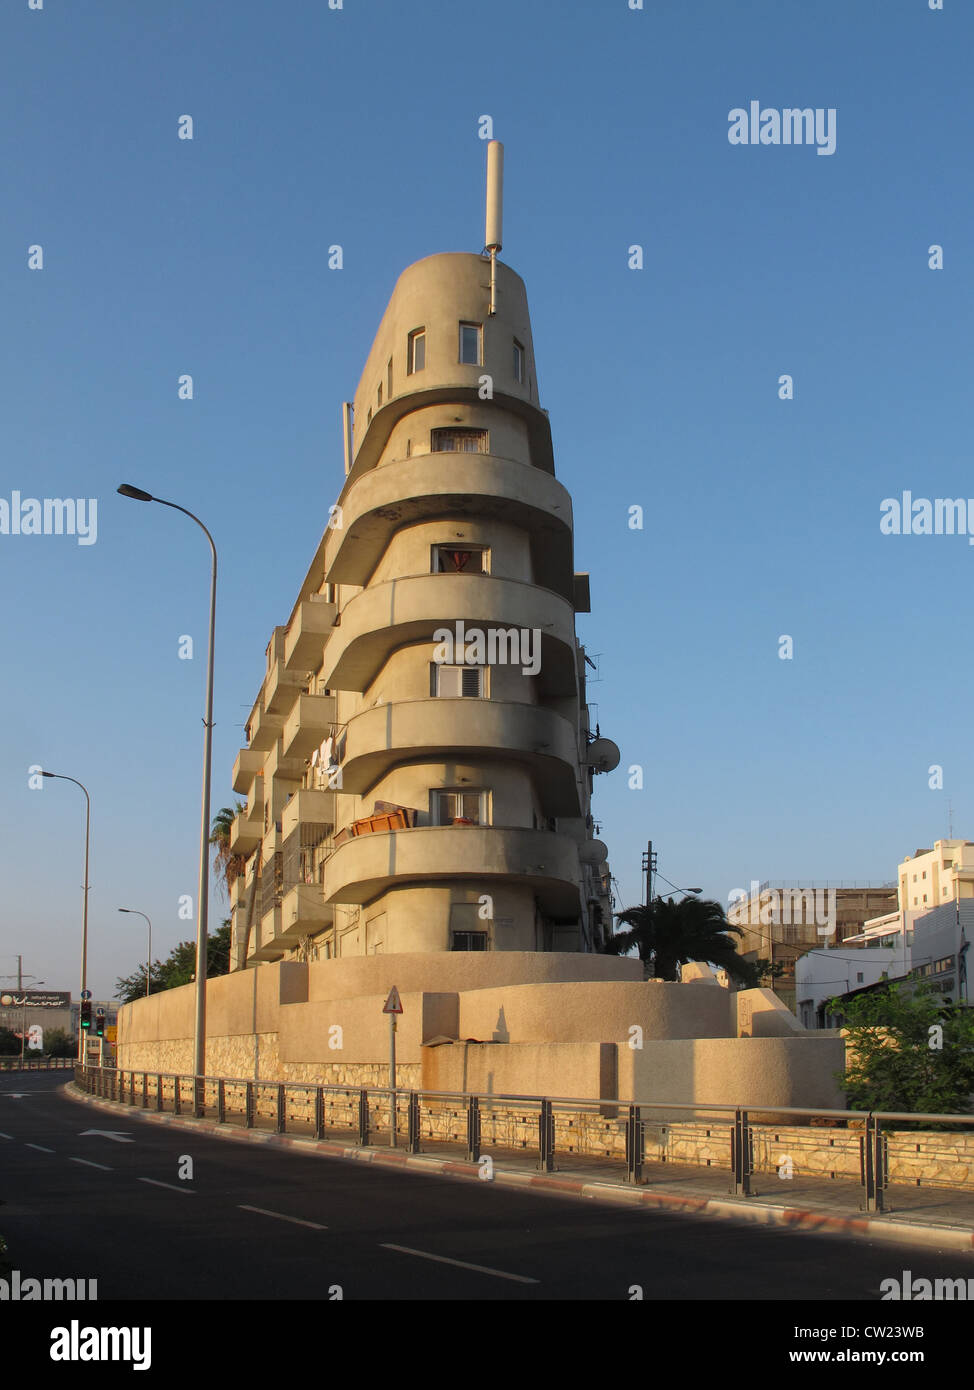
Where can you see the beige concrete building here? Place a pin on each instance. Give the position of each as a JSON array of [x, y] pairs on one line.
[[782, 921], [419, 775], [420, 762], [928, 878]]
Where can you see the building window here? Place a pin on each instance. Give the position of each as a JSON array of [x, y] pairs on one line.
[[368, 418], [460, 806], [452, 682], [859, 977], [378, 397], [449, 441], [518, 361], [469, 941], [451, 559], [470, 340], [416, 351], [389, 379]]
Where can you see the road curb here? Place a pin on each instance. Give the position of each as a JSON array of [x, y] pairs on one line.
[[746, 1209]]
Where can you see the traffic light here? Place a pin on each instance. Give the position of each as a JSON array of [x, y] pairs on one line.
[[86, 1014], [100, 1023]]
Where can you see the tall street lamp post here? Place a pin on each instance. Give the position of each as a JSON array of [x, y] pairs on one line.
[[127, 490], [148, 964], [84, 929]]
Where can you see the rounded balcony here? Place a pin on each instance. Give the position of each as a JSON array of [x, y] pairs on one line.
[[381, 619], [433, 485], [472, 729], [363, 867]]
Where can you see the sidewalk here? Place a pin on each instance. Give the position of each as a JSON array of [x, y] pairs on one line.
[[940, 1218]]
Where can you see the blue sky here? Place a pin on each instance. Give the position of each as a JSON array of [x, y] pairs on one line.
[[360, 127]]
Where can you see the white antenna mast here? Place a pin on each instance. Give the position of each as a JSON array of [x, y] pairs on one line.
[[493, 238]]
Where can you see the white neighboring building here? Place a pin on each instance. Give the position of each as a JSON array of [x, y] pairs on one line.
[[935, 948], [821, 975]]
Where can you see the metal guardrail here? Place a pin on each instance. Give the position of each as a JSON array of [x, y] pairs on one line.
[[41, 1064], [367, 1111]]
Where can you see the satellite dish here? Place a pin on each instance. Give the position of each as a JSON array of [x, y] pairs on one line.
[[603, 755], [593, 852]]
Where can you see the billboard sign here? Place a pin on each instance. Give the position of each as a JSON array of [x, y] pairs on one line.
[[35, 999]]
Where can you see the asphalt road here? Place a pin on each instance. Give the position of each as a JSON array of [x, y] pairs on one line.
[[258, 1222]]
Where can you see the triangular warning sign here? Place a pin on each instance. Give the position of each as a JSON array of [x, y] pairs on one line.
[[393, 1004]]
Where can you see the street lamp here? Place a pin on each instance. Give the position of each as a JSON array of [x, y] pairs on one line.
[[148, 966], [137, 494], [59, 776], [690, 892]]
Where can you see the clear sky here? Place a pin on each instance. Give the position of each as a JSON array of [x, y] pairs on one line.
[[359, 127]]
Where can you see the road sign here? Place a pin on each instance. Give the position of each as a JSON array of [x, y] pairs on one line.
[[393, 1004], [86, 994], [111, 1033]]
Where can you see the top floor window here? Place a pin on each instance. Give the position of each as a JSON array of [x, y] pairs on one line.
[[518, 361], [453, 441], [416, 351], [470, 343]]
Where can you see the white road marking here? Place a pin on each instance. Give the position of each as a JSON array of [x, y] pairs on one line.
[[461, 1264], [119, 1135], [88, 1164], [6, 1136], [40, 1148], [171, 1186], [294, 1220]]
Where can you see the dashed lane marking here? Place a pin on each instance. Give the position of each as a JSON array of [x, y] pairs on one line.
[[172, 1188], [279, 1216], [461, 1264]]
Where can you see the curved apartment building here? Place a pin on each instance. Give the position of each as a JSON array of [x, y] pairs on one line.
[[420, 765]]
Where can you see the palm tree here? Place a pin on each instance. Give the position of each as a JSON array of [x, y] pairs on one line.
[[227, 865], [668, 933]]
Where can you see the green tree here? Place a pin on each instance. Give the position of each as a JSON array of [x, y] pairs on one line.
[[58, 1042], [667, 934], [227, 866], [179, 967], [765, 972], [132, 987], [9, 1043], [907, 1050]]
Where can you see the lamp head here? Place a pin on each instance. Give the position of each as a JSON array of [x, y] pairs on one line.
[[127, 490]]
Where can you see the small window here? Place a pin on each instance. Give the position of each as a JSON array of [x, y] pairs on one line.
[[470, 340], [859, 977], [469, 941], [378, 397], [452, 559], [454, 682], [458, 441], [368, 418], [518, 361], [389, 379], [416, 351], [452, 806]]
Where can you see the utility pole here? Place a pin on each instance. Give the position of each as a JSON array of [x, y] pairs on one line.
[[649, 869]]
